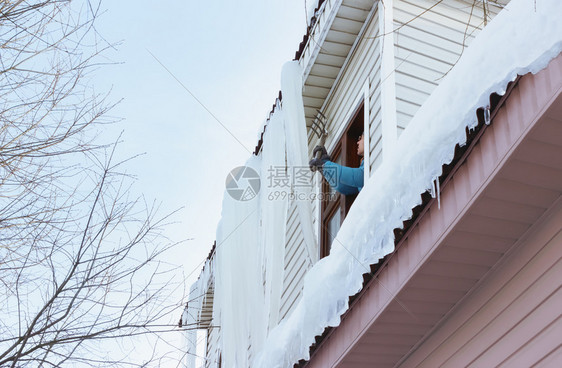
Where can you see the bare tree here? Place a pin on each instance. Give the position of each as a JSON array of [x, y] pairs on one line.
[[79, 258]]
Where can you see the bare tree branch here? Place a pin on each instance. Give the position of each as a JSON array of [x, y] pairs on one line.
[[80, 259]]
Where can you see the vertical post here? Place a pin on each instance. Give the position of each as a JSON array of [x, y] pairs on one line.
[[366, 130], [388, 82]]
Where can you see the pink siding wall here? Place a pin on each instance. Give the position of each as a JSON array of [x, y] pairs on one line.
[[513, 320]]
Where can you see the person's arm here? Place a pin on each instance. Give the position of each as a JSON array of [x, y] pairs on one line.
[[346, 180]]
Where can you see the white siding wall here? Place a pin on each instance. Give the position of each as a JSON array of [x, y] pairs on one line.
[[339, 108], [212, 342], [425, 50], [375, 111], [296, 262], [427, 43], [212, 354]]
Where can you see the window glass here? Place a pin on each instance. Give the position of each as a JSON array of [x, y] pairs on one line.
[[334, 224]]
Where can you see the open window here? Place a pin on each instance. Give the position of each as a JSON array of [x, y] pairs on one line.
[[335, 206]]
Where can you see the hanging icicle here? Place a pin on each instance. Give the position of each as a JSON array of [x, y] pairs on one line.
[[438, 193], [297, 148], [487, 115]]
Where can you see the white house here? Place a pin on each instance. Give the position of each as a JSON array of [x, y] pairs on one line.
[[450, 255]]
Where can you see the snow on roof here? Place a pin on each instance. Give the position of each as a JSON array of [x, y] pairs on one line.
[[523, 38]]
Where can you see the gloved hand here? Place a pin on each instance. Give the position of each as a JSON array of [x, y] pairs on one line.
[[318, 162], [323, 153]]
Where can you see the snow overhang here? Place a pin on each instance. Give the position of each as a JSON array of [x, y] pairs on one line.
[[328, 47], [499, 191]]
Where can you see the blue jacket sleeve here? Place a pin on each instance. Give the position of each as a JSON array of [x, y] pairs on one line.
[[346, 180]]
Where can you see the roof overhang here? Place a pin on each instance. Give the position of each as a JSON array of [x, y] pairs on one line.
[[328, 48], [510, 180]]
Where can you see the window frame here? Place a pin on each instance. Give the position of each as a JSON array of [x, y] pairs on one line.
[[346, 147]]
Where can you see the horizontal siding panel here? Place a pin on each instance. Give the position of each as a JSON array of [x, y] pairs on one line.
[[541, 345], [535, 174], [503, 321], [415, 14], [212, 353], [331, 60], [419, 82], [312, 101], [527, 313], [474, 257], [495, 227], [318, 82], [551, 360], [292, 288], [286, 309], [336, 48], [549, 132], [359, 4], [409, 67], [340, 37], [298, 259], [428, 295], [293, 254], [405, 44], [470, 240], [316, 92], [295, 258], [402, 120], [375, 115], [433, 65], [499, 209], [429, 38], [349, 11], [376, 137], [443, 267], [326, 70], [510, 190], [408, 91], [450, 283], [447, 40], [535, 151], [407, 107], [346, 25]]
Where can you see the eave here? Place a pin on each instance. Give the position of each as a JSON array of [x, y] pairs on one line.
[[509, 182], [325, 50], [328, 48]]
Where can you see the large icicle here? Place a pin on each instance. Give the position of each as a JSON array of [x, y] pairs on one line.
[[238, 287], [518, 40], [250, 254], [273, 217], [297, 148]]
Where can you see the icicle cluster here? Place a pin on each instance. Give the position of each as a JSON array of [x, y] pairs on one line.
[[251, 234]]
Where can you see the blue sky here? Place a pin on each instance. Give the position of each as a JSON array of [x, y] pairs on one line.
[[229, 55]]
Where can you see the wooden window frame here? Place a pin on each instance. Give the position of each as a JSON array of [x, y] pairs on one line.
[[347, 147]]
